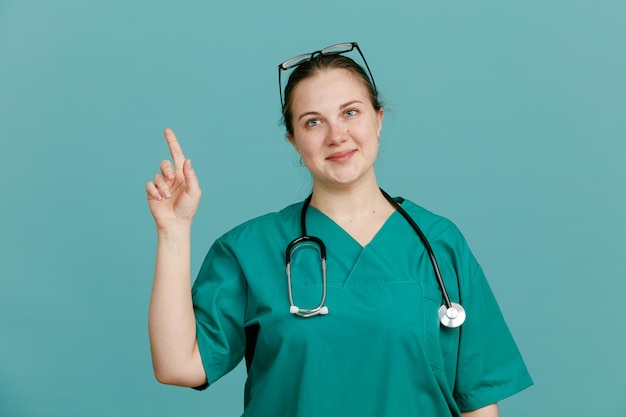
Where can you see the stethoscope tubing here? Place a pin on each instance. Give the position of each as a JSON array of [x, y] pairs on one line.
[[296, 243], [429, 249]]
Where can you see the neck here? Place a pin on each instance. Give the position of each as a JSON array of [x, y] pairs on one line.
[[359, 211], [349, 201]]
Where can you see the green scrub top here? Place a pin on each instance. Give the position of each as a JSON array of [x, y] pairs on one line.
[[381, 350]]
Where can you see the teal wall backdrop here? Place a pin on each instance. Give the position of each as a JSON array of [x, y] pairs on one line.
[[507, 117]]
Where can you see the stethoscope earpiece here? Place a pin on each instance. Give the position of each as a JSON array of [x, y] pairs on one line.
[[322, 311]]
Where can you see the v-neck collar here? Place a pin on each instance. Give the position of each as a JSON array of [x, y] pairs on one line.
[[345, 256], [337, 232]]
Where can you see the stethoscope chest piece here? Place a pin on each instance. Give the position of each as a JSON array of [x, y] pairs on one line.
[[452, 316]]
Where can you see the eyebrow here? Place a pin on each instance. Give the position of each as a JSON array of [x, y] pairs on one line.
[[343, 106]]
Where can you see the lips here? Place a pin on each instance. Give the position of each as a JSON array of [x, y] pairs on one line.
[[340, 156]]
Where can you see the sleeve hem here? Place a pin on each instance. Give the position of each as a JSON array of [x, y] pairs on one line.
[[492, 395], [201, 387]]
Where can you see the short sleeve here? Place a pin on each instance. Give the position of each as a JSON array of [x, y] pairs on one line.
[[219, 299], [490, 366]]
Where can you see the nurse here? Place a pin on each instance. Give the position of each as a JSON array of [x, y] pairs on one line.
[[380, 351]]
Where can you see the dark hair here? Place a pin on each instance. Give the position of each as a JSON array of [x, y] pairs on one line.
[[323, 63]]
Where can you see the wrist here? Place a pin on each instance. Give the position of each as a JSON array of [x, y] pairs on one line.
[[178, 231]]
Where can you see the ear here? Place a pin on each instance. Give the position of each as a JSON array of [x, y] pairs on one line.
[[292, 140], [381, 116]]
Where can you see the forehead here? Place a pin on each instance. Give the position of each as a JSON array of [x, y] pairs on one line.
[[329, 85]]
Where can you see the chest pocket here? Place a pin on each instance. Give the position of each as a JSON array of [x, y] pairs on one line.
[[441, 341]]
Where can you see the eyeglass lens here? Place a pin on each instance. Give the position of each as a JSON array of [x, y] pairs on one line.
[[295, 61], [331, 50], [337, 49]]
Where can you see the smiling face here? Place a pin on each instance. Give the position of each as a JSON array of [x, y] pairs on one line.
[[335, 128]]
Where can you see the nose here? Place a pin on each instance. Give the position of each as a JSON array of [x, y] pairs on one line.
[[336, 133]]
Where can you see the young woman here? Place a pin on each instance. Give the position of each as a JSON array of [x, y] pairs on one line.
[[356, 325]]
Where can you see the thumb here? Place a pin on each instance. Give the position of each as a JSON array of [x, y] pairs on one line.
[[191, 179]]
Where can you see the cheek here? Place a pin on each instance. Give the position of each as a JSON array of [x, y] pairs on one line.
[[366, 134], [308, 149], [309, 140]]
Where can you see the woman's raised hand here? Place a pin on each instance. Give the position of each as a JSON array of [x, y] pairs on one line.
[[174, 194]]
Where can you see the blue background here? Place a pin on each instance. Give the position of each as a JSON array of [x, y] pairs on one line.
[[508, 118]]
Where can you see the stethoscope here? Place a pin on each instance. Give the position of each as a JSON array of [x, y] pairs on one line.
[[450, 314]]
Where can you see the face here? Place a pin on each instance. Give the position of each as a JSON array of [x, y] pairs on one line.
[[335, 128]]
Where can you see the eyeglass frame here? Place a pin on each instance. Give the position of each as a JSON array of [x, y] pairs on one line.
[[328, 51]]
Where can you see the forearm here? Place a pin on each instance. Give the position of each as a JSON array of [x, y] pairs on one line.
[[489, 411], [171, 321]]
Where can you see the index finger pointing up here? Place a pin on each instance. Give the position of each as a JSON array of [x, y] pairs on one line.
[[175, 149]]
